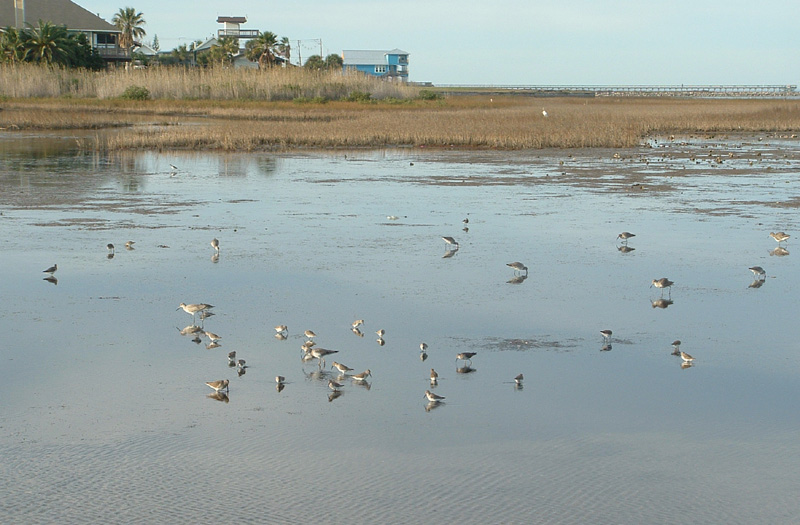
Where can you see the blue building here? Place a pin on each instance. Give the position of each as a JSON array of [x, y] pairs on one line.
[[391, 65]]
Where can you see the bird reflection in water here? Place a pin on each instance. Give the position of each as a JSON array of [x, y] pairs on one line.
[[624, 248], [758, 283], [465, 370], [51, 279], [686, 364], [780, 251], [335, 395], [449, 253], [517, 279], [606, 347], [219, 396], [661, 303], [431, 405]]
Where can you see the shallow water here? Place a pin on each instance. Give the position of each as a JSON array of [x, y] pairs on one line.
[[105, 415]]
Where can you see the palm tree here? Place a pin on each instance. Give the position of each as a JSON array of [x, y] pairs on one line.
[[262, 49], [49, 43], [285, 49], [130, 23], [12, 45]]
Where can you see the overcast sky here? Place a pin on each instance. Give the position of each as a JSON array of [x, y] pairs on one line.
[[502, 42]]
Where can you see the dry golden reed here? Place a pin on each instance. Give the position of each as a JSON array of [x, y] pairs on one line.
[[233, 117], [177, 83]]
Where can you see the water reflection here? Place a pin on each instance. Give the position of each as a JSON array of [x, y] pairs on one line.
[[218, 396], [625, 248], [517, 279], [432, 405], [450, 253], [215, 258], [780, 251], [51, 279], [606, 347], [661, 303], [335, 395], [758, 283], [686, 364], [465, 370]]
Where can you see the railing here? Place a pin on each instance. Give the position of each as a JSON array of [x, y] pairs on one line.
[[765, 90], [112, 52], [238, 33]]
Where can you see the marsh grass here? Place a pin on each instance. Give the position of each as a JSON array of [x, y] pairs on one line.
[[242, 123], [173, 83]]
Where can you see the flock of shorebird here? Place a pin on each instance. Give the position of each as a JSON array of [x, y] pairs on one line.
[[311, 351], [758, 272]]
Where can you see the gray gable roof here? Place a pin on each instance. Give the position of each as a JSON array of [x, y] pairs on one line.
[[60, 12]]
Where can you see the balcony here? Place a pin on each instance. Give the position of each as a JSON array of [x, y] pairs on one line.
[[112, 52], [238, 33]]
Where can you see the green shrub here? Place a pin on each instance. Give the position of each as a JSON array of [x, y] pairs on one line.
[[136, 93], [358, 96], [427, 94]]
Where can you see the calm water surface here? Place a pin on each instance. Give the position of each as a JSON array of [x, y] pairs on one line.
[[105, 414]]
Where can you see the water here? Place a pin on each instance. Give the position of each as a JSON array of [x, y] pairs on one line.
[[105, 414]]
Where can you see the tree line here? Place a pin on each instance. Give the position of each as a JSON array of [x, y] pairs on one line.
[[50, 43]]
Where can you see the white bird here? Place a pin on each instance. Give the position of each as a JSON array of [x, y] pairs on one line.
[[544, 112], [215, 243], [758, 272]]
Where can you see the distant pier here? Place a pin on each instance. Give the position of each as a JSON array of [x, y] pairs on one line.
[[696, 91]]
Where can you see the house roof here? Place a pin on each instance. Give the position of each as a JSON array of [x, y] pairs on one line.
[[60, 12], [365, 57], [232, 19]]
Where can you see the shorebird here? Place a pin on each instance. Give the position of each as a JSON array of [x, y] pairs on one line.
[[343, 369], [758, 272], [362, 376], [357, 323], [280, 379], [193, 309], [686, 357], [110, 248], [466, 356], [433, 398], [606, 334], [309, 334], [320, 353], [129, 245], [434, 376], [779, 236], [518, 379], [280, 328], [51, 270], [241, 363], [662, 283], [544, 112], [215, 243], [232, 357], [676, 347], [333, 385], [625, 236], [212, 336], [174, 167], [381, 332], [423, 347], [450, 242], [222, 384], [518, 267]]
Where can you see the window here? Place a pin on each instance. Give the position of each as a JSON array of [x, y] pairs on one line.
[[380, 69]]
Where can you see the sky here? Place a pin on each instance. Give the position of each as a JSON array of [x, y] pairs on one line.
[[519, 42]]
